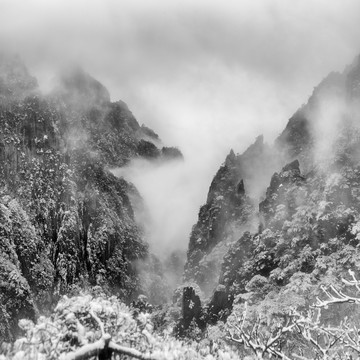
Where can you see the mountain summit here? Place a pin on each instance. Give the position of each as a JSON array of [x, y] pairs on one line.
[[78, 87]]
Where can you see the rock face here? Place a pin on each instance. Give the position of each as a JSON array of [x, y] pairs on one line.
[[191, 309], [15, 81], [301, 220], [226, 204], [64, 219], [228, 212], [276, 194]]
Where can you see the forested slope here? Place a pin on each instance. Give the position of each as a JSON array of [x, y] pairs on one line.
[[64, 218], [284, 218]]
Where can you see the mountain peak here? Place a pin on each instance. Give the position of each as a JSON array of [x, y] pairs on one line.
[[79, 88], [15, 79], [354, 65], [230, 158], [353, 80]]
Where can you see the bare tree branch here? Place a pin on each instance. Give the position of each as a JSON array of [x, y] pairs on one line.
[[131, 352], [256, 341], [90, 350], [87, 351], [97, 319]]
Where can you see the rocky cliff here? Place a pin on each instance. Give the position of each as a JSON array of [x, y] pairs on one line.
[[301, 221], [229, 210], [65, 220]]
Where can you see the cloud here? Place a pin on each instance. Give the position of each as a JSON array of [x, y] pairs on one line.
[[156, 40], [206, 75], [169, 191]]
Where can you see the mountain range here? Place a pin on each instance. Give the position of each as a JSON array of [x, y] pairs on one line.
[[280, 222]]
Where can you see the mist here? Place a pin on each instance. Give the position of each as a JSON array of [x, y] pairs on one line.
[[170, 210], [207, 76]]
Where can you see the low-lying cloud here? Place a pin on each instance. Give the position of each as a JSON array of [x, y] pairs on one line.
[[169, 192]]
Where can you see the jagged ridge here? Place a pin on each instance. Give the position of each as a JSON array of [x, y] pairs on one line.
[[306, 222]]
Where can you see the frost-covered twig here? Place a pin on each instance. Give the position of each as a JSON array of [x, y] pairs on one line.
[[97, 319], [338, 297], [256, 342], [335, 297]]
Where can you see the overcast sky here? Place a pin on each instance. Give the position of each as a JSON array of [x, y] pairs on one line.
[[206, 75]]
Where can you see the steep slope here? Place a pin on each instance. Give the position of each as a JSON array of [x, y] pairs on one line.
[[65, 219], [307, 220], [229, 211], [313, 134]]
